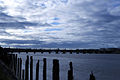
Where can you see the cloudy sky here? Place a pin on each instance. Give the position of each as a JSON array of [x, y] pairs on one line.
[[60, 23]]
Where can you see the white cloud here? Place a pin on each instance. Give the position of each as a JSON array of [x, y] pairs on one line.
[[115, 11], [76, 20]]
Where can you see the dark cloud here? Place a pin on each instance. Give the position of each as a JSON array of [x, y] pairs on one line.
[[7, 41], [97, 22], [16, 24]]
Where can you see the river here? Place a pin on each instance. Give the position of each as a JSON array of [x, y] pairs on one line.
[[104, 66]]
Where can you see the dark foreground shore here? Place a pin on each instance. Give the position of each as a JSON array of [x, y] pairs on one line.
[[6, 73]]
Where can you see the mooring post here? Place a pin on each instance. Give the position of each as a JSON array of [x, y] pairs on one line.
[[31, 68], [20, 67], [12, 62], [23, 74], [27, 69], [37, 70], [16, 64], [55, 70], [70, 72], [44, 69], [71, 67]]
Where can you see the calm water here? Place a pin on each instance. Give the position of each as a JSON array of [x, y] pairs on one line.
[[104, 66]]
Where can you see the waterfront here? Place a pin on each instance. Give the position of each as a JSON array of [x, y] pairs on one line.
[[104, 66]]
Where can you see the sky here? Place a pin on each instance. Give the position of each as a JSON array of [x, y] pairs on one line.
[[60, 23]]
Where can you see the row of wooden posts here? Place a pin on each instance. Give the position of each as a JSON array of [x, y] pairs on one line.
[[23, 74]]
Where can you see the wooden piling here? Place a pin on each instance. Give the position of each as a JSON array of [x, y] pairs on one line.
[[55, 70], [31, 68], [69, 75], [70, 72], [23, 74], [12, 62], [37, 70], [20, 68], [9, 57], [16, 64], [27, 69], [44, 69]]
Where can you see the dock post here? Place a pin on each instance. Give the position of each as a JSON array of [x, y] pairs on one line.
[[70, 72], [23, 74], [12, 62], [20, 67], [37, 70], [55, 70], [31, 68], [16, 64], [27, 69], [44, 69]]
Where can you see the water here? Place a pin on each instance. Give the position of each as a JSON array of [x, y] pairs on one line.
[[104, 66]]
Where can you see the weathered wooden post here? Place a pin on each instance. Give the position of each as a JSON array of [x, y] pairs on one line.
[[44, 69], [55, 72], [12, 62], [92, 77], [16, 64], [20, 67], [70, 72], [37, 70], [23, 74], [31, 68], [27, 69]]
